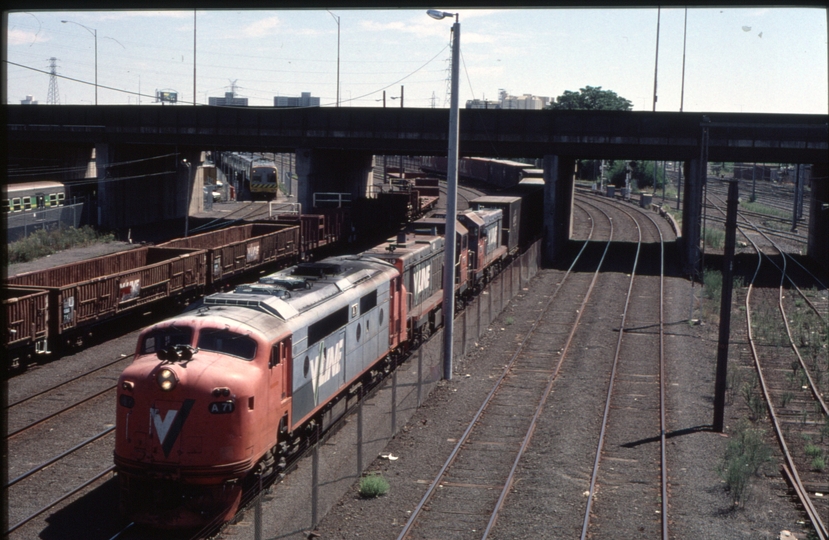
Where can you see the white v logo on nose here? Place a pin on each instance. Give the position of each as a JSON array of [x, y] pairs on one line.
[[162, 425]]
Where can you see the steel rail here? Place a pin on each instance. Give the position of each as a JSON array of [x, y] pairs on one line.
[[417, 511], [801, 239], [783, 276], [73, 379], [784, 255], [549, 388], [817, 523], [606, 414], [59, 457], [65, 409], [663, 381], [59, 500]]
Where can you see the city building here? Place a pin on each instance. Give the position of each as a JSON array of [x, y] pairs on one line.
[[506, 101], [305, 100], [30, 100], [482, 104], [230, 100]]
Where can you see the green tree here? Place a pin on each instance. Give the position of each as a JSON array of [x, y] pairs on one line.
[[591, 98]]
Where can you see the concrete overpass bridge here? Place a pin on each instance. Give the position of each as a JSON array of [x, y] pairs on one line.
[[334, 148]]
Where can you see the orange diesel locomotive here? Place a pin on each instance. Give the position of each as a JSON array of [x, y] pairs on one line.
[[219, 392], [236, 385]]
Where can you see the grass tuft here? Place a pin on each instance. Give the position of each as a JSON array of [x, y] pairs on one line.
[[744, 456], [373, 485]]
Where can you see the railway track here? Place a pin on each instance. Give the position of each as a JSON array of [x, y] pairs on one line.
[[472, 488], [792, 375], [636, 392], [59, 433]]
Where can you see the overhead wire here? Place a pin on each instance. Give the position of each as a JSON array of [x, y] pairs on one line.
[[472, 91], [129, 92]]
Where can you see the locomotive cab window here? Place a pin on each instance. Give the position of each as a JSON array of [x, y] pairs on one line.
[[227, 342], [166, 337]]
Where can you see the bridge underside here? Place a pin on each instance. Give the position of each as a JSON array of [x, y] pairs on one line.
[[140, 178], [558, 207]]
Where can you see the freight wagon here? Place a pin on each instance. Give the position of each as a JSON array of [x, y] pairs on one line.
[[240, 249], [26, 314], [84, 294]]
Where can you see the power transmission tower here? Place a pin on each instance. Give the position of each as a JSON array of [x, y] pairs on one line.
[[448, 95], [233, 87], [53, 97], [434, 99]]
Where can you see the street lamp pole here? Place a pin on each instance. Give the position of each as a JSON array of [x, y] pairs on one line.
[[684, 35], [656, 60], [189, 194], [94, 33], [336, 18], [451, 200]]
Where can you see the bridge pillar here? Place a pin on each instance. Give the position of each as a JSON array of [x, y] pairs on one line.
[[695, 173], [819, 215], [336, 171], [558, 204], [144, 185]]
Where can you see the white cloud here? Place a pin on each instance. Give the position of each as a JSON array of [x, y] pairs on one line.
[[25, 37], [261, 28], [143, 14], [477, 38]]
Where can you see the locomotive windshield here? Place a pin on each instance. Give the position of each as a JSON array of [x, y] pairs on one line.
[[227, 342], [166, 337]]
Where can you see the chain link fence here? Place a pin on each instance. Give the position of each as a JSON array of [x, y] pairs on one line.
[[22, 224]]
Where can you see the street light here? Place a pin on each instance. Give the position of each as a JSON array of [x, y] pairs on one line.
[[189, 194], [338, 55], [94, 33], [451, 199]]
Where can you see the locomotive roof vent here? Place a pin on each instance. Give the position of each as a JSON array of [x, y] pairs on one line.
[[263, 288], [266, 304], [290, 283], [318, 269]]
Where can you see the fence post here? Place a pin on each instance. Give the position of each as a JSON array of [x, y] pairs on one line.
[[360, 435], [512, 281], [501, 279], [394, 403], [257, 514], [490, 291], [463, 346], [315, 467], [419, 375], [478, 325]]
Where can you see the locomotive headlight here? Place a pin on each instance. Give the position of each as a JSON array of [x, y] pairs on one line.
[[166, 379]]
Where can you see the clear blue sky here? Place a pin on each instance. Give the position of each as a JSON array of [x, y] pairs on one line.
[[771, 60]]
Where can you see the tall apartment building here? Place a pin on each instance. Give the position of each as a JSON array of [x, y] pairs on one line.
[[305, 100], [230, 100]]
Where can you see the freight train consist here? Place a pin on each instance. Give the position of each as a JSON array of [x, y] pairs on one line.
[[50, 311], [498, 173], [237, 384]]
